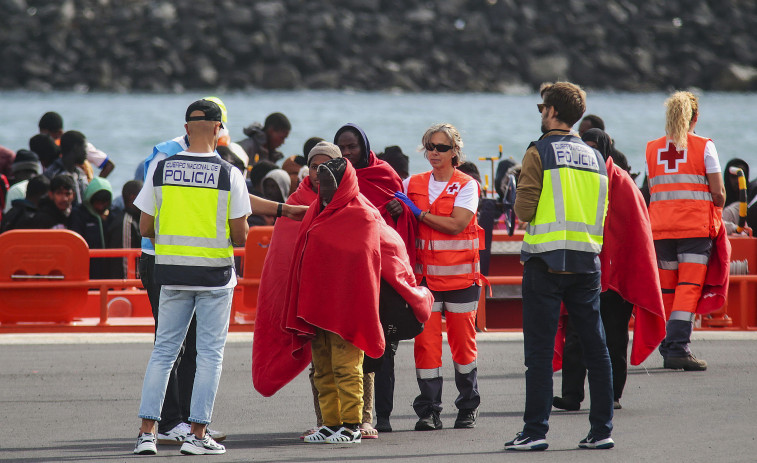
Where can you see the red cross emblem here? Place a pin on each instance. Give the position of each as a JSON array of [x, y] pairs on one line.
[[452, 188], [671, 157]]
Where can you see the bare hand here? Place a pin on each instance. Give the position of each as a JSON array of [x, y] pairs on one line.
[[394, 207], [294, 212]]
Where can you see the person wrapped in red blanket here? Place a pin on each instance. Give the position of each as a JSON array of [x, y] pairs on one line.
[[271, 372], [629, 268]]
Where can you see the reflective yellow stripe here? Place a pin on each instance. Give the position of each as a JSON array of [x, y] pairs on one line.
[[563, 221]]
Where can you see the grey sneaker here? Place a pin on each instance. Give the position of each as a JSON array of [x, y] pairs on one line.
[[193, 445], [146, 444]]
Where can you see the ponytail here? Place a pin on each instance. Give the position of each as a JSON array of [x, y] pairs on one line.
[[680, 110]]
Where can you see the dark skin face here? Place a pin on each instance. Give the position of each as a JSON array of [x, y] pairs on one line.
[[351, 147], [276, 138], [271, 191]]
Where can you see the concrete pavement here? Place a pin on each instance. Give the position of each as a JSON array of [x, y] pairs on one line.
[[75, 398]]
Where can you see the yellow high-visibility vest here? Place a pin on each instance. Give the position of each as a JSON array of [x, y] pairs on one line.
[[567, 230], [192, 237]]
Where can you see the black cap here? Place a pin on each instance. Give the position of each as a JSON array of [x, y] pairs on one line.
[[211, 110]]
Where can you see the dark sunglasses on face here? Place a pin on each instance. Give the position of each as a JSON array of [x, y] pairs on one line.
[[438, 148], [540, 107]]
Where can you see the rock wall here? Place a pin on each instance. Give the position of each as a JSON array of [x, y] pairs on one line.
[[413, 45]]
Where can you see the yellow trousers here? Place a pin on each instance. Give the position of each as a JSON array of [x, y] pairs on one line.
[[338, 378]]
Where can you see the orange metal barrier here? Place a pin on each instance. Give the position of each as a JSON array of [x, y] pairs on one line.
[[45, 286]]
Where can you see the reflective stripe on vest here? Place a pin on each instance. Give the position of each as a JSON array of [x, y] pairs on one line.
[[680, 203], [551, 229], [680, 194], [447, 262], [192, 197]]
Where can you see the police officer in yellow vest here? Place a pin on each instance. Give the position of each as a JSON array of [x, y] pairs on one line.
[[562, 193], [195, 208]]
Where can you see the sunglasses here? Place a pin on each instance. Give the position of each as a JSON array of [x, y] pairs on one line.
[[540, 107], [438, 148]]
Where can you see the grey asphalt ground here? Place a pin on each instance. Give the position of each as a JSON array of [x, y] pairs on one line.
[[75, 398]]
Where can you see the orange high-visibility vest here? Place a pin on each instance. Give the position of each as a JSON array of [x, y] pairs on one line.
[[680, 203], [446, 261]]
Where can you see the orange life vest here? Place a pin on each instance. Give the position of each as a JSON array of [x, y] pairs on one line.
[[680, 200], [446, 261]]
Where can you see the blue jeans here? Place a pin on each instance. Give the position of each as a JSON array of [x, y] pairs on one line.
[[213, 309], [543, 292]]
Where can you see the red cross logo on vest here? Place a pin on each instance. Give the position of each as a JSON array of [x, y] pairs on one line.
[[453, 188], [670, 157]]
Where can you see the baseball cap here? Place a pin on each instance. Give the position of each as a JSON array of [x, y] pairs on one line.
[[211, 111], [216, 100]]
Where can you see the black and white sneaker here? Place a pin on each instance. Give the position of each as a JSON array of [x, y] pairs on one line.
[[146, 444], [523, 442], [193, 445], [590, 442]]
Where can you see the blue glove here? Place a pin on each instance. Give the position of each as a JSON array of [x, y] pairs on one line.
[[413, 208]]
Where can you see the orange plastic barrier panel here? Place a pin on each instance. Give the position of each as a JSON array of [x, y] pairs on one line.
[[30, 259], [256, 248]]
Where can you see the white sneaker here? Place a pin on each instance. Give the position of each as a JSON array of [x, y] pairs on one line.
[[205, 446], [146, 444], [176, 435]]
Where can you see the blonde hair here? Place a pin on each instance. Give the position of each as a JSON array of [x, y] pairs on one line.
[[454, 136], [681, 108]]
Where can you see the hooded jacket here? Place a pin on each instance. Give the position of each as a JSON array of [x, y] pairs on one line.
[[256, 145], [88, 223], [378, 182]]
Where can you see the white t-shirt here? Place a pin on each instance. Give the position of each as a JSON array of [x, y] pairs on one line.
[[239, 206], [96, 157], [467, 198]]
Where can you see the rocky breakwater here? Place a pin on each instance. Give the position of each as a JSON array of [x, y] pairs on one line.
[[414, 45]]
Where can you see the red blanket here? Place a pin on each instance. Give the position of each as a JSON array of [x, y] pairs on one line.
[[715, 289], [378, 182], [629, 265], [272, 365], [334, 280]]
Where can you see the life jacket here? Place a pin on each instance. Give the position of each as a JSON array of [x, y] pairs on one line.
[[680, 204], [567, 230], [192, 235], [446, 261]]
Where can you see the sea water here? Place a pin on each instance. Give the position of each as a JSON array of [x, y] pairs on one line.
[[127, 126]]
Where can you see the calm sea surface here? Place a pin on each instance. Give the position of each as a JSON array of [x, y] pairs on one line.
[[126, 126]]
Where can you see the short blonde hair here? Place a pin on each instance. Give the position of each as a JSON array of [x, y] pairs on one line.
[[681, 108], [454, 136]]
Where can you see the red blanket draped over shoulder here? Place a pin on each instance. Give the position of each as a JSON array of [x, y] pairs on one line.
[[629, 265], [378, 182], [334, 279], [272, 364]]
